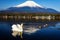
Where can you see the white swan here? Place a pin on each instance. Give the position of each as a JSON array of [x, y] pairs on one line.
[[17, 29]]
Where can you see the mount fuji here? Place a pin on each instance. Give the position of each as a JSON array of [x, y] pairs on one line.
[[30, 6]]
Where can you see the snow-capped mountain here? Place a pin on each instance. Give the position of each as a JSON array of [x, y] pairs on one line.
[[30, 6]]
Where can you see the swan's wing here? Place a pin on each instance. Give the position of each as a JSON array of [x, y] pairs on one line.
[[14, 28], [18, 25]]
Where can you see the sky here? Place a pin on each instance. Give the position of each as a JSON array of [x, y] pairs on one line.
[[54, 4]]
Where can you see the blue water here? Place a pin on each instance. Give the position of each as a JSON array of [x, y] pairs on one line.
[[51, 32]]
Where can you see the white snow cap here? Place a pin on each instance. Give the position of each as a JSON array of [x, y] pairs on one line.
[[29, 3]]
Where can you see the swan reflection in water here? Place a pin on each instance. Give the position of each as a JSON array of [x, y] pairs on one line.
[[17, 30]]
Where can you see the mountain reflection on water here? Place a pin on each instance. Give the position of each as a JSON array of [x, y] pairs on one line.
[[32, 31]]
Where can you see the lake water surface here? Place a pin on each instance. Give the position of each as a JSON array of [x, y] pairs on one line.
[[32, 31]]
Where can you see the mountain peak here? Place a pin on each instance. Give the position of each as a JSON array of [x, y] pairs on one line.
[[30, 7], [29, 3]]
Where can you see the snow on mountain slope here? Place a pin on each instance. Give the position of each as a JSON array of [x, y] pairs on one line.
[[29, 4]]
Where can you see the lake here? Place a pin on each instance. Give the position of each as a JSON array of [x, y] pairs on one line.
[[42, 30]]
